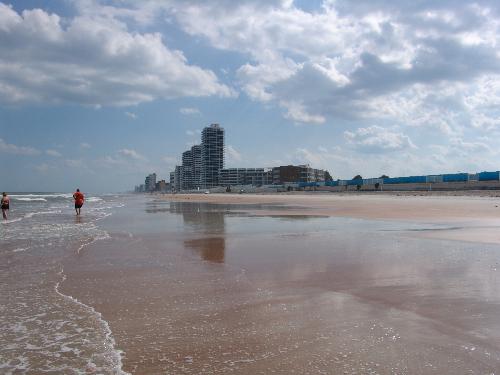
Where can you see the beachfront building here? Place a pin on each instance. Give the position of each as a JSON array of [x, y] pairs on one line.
[[150, 182], [172, 180], [178, 173], [244, 176], [297, 173], [197, 165], [187, 170], [162, 186], [140, 188], [212, 155], [203, 167]]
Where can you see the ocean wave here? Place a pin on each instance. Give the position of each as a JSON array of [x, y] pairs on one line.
[[94, 199], [26, 199], [54, 195]]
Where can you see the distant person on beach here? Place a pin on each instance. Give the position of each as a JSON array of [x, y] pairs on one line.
[[5, 203], [79, 199]]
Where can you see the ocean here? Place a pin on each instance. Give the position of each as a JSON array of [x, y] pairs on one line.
[[42, 329]]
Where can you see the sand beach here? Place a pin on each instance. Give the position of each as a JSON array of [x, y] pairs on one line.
[[305, 284], [311, 283]]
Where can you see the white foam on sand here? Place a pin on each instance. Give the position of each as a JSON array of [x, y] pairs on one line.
[[20, 249], [103, 236], [116, 354], [31, 214], [11, 220]]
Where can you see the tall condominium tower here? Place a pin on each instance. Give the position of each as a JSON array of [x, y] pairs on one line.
[[187, 170], [196, 154], [178, 178], [212, 155], [150, 182]]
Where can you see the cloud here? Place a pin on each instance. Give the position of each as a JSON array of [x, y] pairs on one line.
[[43, 168], [232, 154], [170, 160], [343, 58], [132, 154], [131, 115], [17, 150], [75, 163], [320, 157], [85, 145], [297, 112], [190, 111], [94, 60], [377, 139], [340, 61], [53, 153]]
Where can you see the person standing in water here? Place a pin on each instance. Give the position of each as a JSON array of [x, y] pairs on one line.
[[79, 199], [5, 203]]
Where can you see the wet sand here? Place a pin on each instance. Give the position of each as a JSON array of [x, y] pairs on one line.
[[297, 284], [474, 218]]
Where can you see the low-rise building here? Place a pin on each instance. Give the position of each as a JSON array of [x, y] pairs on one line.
[[244, 176], [297, 173], [162, 186]]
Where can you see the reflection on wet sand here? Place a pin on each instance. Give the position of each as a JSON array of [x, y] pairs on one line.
[[211, 249], [322, 295], [207, 220]]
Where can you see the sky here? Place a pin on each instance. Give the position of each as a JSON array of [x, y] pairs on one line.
[[96, 94]]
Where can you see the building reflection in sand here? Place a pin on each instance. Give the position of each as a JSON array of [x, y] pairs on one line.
[[208, 222]]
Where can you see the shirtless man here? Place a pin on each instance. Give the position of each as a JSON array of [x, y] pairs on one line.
[[5, 202], [79, 199]]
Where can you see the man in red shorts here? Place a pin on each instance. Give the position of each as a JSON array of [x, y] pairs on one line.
[[79, 199]]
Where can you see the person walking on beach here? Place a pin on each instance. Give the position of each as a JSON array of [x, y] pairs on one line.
[[79, 199], [5, 203]]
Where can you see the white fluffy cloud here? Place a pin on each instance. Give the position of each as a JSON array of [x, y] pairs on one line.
[[132, 154], [9, 148], [359, 59], [233, 155], [375, 139], [426, 73], [92, 60], [53, 153], [190, 111]]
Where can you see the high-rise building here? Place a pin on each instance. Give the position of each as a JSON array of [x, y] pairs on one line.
[[187, 170], [178, 178], [150, 182], [196, 154], [212, 155], [172, 180]]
